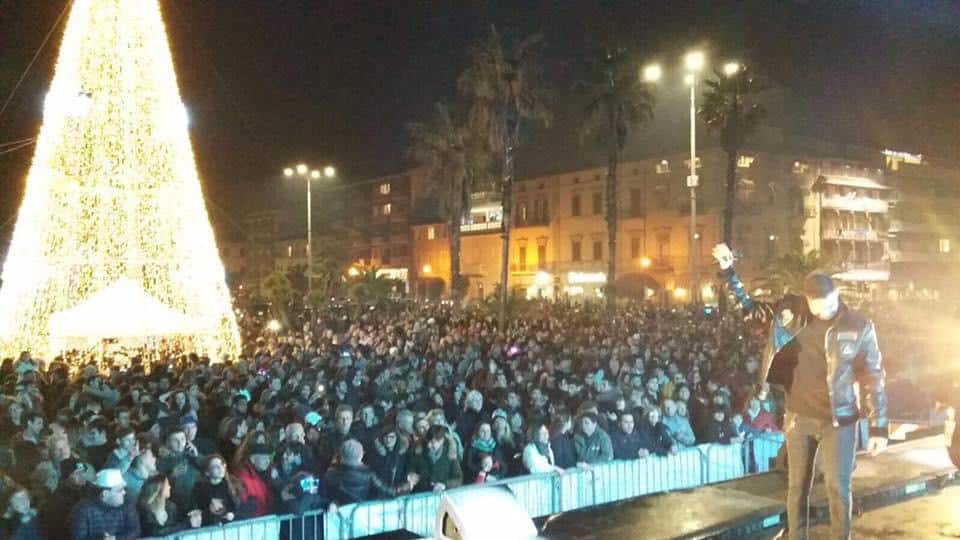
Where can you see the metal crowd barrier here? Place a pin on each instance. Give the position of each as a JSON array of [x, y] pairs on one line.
[[540, 494]]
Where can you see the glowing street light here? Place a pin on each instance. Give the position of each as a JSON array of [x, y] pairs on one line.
[[652, 73], [694, 61], [273, 325], [645, 262], [731, 68], [427, 269], [353, 272], [309, 175]]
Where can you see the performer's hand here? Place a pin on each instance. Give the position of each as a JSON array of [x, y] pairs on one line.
[[876, 445], [723, 255]]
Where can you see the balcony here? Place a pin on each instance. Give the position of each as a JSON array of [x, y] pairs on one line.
[[482, 227], [483, 201], [856, 204], [863, 235]]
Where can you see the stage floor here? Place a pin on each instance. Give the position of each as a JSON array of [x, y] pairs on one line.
[[751, 507]]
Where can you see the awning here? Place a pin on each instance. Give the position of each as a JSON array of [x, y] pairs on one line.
[[855, 181], [636, 284]]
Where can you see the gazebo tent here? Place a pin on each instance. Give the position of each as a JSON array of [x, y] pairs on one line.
[[123, 311]]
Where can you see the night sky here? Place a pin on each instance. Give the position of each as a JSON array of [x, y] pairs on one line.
[[269, 83]]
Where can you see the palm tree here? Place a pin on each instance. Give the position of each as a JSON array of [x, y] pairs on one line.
[[369, 287], [726, 109], [279, 291], [786, 273], [504, 85], [450, 152], [619, 102]]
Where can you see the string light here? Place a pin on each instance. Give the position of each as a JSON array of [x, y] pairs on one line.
[[113, 193]]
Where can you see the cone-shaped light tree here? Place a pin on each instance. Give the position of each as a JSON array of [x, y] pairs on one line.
[[113, 193]]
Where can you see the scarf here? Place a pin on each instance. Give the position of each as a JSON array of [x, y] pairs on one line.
[[543, 448], [484, 445]]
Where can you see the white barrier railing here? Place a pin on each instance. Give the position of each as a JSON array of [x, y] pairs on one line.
[[540, 494]]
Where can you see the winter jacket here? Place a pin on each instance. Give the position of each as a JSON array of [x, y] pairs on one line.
[[535, 462], [345, 484], [564, 451], [717, 432], [257, 492], [680, 429], [761, 422], [656, 438], [445, 470], [853, 356], [390, 465], [625, 445], [596, 448]]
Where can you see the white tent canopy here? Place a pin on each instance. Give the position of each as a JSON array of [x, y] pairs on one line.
[[122, 310]]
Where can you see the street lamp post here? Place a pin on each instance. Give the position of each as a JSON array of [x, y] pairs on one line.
[[693, 63], [309, 175]]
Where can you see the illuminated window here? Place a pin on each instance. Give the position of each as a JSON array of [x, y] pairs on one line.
[[431, 233], [385, 188], [742, 161], [944, 245], [289, 251], [663, 167], [385, 209], [523, 258]]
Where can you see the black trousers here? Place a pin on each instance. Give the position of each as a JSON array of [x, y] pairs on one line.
[[837, 446]]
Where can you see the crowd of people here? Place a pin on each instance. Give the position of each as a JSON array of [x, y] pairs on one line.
[[352, 404]]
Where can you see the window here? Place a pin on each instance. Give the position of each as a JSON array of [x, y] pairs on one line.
[[661, 194], [523, 259], [663, 167], [289, 251], [744, 162], [597, 204], [663, 245], [541, 257], [522, 213], [597, 250], [431, 233], [636, 202], [944, 245], [575, 250], [385, 188], [575, 205], [634, 248], [385, 209]]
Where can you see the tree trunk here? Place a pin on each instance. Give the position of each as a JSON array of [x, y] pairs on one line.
[[612, 185], [507, 203], [729, 197], [456, 288]]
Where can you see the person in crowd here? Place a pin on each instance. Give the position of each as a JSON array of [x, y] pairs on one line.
[[179, 467], [482, 442], [718, 429], [538, 455], [592, 443], [470, 416], [158, 515], [235, 429], [757, 419], [561, 440], [125, 449], [655, 435], [333, 440], [105, 515], [216, 495], [75, 477], [626, 439], [679, 426], [26, 448], [143, 467], [18, 520], [348, 480], [197, 446], [485, 474], [257, 477], [367, 428], [93, 445], [435, 463], [389, 456]]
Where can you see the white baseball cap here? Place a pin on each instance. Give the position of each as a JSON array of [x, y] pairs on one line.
[[110, 478]]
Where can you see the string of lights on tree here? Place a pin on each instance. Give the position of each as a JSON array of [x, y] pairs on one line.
[[113, 192]]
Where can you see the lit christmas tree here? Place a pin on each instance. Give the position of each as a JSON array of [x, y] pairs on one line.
[[113, 227]]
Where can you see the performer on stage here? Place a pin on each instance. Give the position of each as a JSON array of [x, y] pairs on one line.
[[835, 348]]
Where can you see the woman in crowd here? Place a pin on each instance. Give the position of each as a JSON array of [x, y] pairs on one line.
[[19, 519], [216, 495], [158, 515], [538, 456], [482, 442]]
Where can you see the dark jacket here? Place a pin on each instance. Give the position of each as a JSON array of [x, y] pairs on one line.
[[149, 526], [91, 519], [656, 439], [472, 465], [564, 452], [345, 484], [625, 445], [853, 356], [445, 470], [390, 466], [204, 492], [717, 432], [14, 529]]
